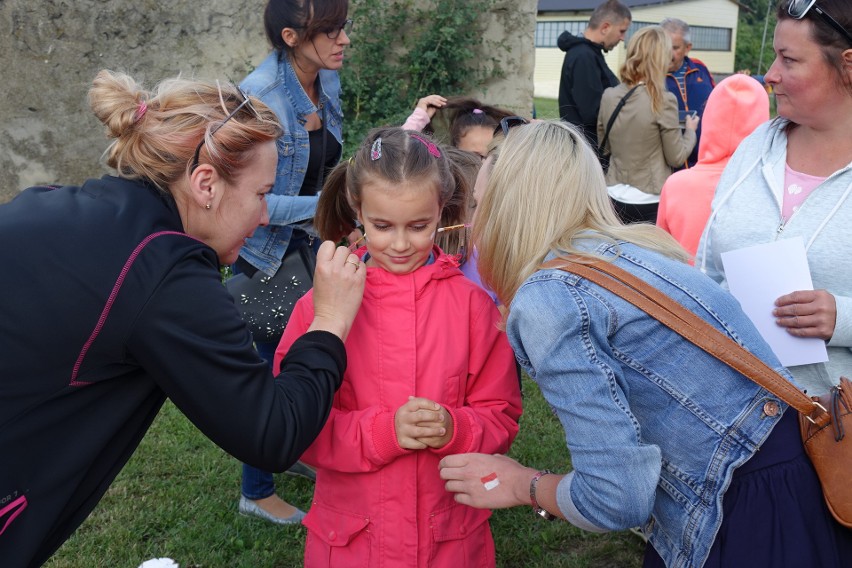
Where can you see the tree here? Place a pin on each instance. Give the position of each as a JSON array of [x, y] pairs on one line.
[[410, 49], [750, 36]]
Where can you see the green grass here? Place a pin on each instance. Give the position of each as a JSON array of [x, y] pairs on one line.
[[177, 497], [546, 108]]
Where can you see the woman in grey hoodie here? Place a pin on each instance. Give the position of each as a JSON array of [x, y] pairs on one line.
[[793, 178]]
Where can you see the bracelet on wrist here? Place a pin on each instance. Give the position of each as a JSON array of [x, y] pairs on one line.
[[540, 511]]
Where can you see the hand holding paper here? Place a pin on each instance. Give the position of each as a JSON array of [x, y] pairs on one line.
[[807, 313], [763, 275]]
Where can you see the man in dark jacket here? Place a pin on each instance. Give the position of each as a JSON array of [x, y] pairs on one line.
[[585, 73], [688, 79]]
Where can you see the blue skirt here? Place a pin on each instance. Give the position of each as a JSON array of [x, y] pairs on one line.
[[774, 514]]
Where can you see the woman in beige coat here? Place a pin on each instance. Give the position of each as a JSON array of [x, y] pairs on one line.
[[646, 139]]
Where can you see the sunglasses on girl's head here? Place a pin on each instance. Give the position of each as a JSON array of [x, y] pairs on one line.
[[509, 123], [246, 103], [798, 9]]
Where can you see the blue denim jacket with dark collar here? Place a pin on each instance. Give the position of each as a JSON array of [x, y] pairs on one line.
[[275, 83], [654, 425]]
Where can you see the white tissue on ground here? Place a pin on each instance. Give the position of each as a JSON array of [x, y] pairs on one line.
[[159, 563]]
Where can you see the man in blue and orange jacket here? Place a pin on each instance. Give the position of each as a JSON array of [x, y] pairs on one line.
[[688, 79]]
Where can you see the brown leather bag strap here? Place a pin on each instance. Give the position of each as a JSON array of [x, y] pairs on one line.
[[691, 327]]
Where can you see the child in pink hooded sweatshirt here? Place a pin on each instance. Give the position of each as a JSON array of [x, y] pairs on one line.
[[429, 372], [735, 108]]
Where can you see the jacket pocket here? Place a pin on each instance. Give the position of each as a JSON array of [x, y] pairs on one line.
[[336, 538], [461, 536], [286, 145], [453, 395]]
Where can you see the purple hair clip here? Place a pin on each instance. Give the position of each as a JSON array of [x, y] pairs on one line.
[[376, 149], [433, 149], [477, 111]]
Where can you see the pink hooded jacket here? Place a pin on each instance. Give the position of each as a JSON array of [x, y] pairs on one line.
[[735, 108], [430, 333]]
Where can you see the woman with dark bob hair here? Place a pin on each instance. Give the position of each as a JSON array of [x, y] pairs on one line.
[[299, 81]]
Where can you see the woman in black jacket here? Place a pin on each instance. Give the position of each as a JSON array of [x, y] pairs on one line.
[[113, 302]]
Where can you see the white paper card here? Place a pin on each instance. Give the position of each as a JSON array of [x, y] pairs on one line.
[[757, 276]]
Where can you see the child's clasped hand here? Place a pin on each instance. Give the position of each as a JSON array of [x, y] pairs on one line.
[[422, 423]]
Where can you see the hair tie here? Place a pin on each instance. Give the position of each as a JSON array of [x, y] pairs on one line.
[[376, 149], [140, 111], [477, 111], [433, 149]]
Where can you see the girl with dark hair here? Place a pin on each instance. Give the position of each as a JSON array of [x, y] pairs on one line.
[[299, 82], [429, 373], [471, 123]]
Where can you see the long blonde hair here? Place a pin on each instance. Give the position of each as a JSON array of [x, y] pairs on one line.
[[544, 189], [649, 53]]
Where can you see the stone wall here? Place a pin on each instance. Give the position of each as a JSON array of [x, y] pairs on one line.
[[52, 49]]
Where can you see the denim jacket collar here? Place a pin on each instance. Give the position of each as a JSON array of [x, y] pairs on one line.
[[302, 104], [274, 81]]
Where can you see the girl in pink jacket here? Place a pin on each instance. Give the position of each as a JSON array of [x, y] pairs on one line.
[[429, 372]]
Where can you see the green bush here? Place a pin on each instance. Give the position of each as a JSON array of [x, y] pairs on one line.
[[403, 50]]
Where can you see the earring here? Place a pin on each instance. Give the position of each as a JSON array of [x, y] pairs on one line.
[[207, 206]]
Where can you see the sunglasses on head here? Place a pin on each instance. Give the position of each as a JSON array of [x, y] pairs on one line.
[[246, 103], [798, 9], [509, 123]]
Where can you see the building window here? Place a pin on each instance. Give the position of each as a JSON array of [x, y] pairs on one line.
[[704, 38], [546, 33], [710, 39]]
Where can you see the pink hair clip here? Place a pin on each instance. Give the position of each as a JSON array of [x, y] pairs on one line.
[[376, 149], [140, 111], [433, 149], [477, 111]]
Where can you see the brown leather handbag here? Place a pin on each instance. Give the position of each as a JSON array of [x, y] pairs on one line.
[[822, 420]]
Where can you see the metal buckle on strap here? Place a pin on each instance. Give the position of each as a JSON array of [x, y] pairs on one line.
[[821, 407]]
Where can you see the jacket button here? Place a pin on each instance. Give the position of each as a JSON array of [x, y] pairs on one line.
[[332, 535], [770, 408]]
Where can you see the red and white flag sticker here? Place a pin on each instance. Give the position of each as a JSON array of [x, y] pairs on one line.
[[490, 481]]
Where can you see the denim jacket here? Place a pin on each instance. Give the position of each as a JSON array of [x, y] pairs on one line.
[[654, 425], [275, 83]]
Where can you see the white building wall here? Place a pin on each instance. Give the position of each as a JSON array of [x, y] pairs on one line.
[[711, 13]]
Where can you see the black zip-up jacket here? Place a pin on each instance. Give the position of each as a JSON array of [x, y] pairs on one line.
[[585, 76], [107, 309]]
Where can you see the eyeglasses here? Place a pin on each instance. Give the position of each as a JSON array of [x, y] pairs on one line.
[[798, 9], [508, 123], [332, 33], [246, 103]]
